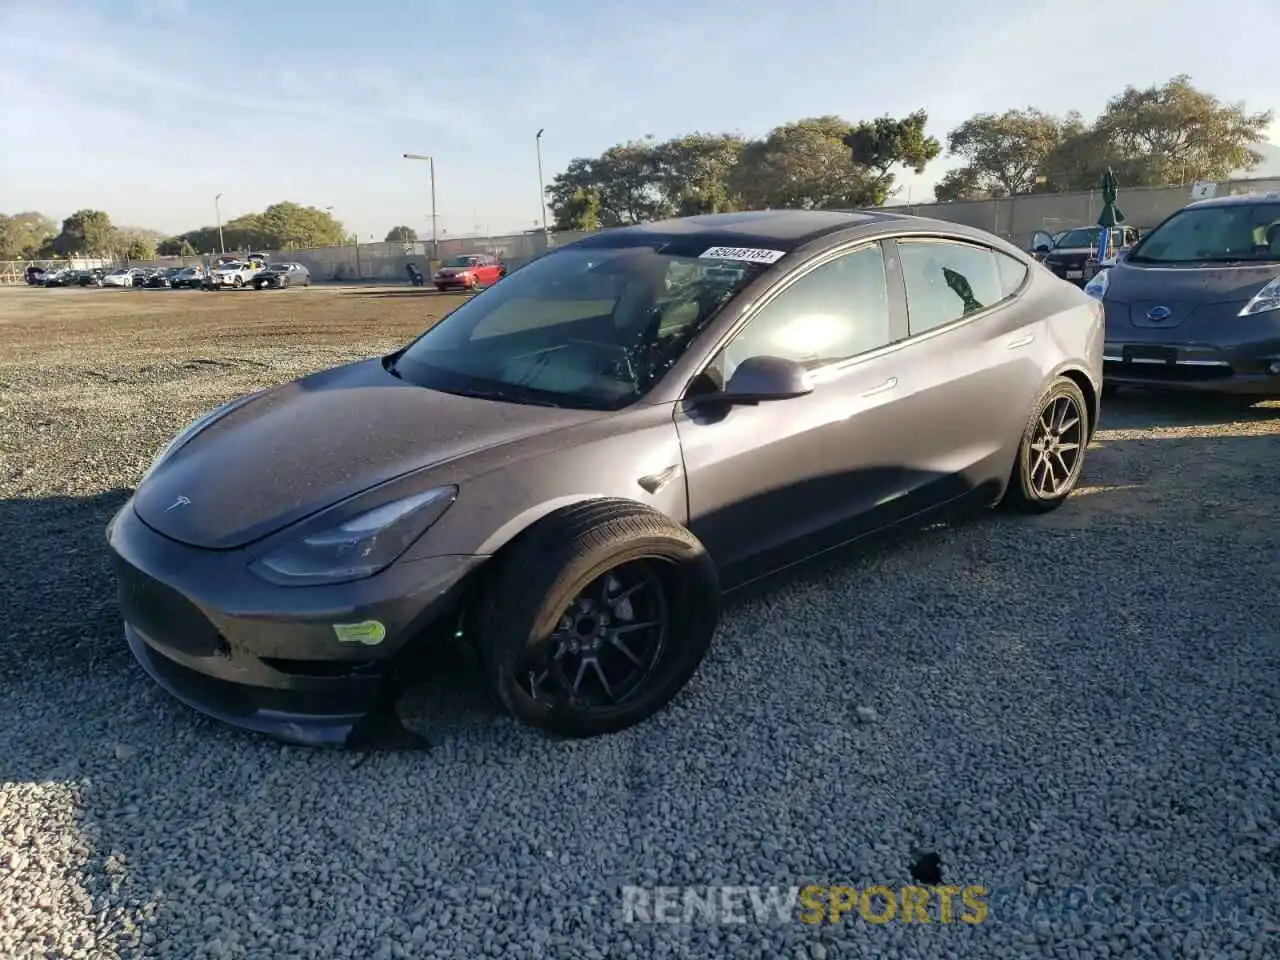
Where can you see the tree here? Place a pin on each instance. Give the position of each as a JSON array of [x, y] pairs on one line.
[[1005, 153], [622, 186], [693, 172], [805, 164], [85, 232], [289, 226], [962, 183], [140, 249], [187, 250], [1174, 133], [402, 235], [26, 236], [882, 144]]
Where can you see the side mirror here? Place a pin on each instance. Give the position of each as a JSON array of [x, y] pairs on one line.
[[765, 378]]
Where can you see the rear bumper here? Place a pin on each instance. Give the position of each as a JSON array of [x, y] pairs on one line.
[[265, 658]]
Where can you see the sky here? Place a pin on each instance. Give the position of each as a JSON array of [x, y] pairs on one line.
[[149, 108]]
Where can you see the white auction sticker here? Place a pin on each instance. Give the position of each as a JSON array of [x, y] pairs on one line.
[[749, 254]]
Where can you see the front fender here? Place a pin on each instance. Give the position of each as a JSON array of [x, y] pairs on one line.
[[607, 458]]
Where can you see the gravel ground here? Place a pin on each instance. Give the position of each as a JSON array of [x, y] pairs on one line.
[[1080, 699]]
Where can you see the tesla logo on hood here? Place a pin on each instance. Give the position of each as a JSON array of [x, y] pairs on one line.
[[1159, 313], [180, 502]]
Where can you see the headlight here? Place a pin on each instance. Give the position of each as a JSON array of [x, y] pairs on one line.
[[1097, 287], [356, 548], [191, 429], [1264, 301]]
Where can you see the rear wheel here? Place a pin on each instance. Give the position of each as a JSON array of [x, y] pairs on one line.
[[597, 618], [1051, 454], [237, 283]]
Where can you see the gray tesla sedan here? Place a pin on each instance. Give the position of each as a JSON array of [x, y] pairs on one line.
[[1195, 305], [571, 468]]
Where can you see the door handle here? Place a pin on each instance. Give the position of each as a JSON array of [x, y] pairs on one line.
[[883, 388], [1020, 342]]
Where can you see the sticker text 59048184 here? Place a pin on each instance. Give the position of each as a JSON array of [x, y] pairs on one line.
[[749, 254]]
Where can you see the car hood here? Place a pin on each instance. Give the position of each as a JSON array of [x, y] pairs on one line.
[[305, 446], [1181, 289]]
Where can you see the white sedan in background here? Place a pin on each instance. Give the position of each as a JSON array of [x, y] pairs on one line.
[[118, 278]]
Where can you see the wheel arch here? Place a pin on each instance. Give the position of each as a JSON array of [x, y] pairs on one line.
[[1082, 380], [499, 543]]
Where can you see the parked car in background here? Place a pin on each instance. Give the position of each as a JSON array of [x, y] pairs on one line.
[[91, 278], [281, 275], [34, 275], [121, 277], [162, 279], [469, 272], [1195, 304], [1071, 254], [235, 274], [568, 469], [60, 278], [189, 278]]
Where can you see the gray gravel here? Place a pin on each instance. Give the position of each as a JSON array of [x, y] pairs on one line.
[[1080, 699]]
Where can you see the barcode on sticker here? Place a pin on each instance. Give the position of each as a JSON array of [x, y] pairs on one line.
[[749, 254]]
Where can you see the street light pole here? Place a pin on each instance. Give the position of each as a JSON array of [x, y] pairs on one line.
[[542, 190], [435, 240], [217, 212]]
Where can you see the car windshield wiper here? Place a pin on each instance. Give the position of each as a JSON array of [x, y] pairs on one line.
[[506, 396]]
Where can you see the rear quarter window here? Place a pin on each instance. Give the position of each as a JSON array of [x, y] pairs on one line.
[[1013, 273]]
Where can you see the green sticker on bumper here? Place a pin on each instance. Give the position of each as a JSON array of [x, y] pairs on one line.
[[370, 632]]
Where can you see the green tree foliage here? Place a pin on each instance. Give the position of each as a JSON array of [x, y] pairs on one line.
[[85, 233], [402, 234], [26, 236], [282, 226], [140, 249], [817, 162], [1164, 134], [1004, 153], [882, 144]]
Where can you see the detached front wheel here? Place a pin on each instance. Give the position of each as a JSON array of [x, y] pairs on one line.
[[597, 618]]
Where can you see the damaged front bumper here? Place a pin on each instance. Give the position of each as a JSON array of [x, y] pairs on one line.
[[314, 666]]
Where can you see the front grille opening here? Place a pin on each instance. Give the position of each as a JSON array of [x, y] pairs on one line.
[[1166, 373]]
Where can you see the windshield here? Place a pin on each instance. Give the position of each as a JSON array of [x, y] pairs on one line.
[[593, 328], [233, 265], [1083, 237], [278, 267], [461, 262], [1227, 232]]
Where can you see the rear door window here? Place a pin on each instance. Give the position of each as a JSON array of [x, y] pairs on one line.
[[948, 280]]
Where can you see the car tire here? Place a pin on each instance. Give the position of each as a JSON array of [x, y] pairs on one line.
[[440, 287], [1043, 481], [237, 283], [601, 545]]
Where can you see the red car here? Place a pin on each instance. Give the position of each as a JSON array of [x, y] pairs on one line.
[[469, 272]]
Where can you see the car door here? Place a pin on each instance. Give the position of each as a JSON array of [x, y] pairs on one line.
[[971, 367], [773, 483]]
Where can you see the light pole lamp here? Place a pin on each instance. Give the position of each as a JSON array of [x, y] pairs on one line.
[[217, 212], [542, 189], [431, 162]]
